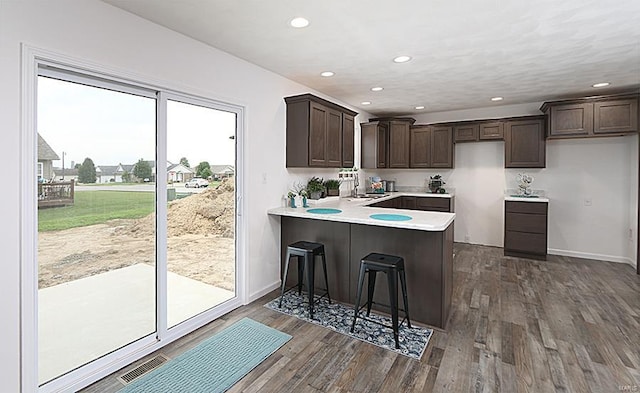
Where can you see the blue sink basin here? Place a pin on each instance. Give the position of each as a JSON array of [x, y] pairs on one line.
[[324, 211], [390, 217]]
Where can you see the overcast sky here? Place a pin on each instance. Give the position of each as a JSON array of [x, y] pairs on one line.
[[112, 128]]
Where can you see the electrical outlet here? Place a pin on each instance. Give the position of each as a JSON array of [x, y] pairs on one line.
[[630, 233], [588, 202], [264, 178], [467, 239]]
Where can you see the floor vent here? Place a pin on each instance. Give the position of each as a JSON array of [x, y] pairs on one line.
[[142, 369]]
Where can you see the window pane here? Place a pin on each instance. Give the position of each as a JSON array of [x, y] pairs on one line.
[[201, 212], [96, 223]]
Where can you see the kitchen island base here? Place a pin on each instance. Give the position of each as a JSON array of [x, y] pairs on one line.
[[428, 259]]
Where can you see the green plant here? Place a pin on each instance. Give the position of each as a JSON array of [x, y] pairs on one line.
[[291, 194], [315, 184], [332, 184]]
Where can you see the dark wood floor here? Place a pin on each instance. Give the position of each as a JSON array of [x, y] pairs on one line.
[[517, 325]]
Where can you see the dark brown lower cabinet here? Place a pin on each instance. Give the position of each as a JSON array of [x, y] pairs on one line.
[[434, 204], [525, 229]]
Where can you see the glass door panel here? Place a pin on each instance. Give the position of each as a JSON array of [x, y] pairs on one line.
[[201, 241], [96, 223]]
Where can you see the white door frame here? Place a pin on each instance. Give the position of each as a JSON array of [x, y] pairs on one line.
[[31, 58]]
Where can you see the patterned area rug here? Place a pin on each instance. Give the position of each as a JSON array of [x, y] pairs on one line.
[[339, 317], [217, 363]]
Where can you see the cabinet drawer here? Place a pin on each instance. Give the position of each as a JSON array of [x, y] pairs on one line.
[[433, 204], [534, 243], [408, 203], [526, 207], [521, 222]]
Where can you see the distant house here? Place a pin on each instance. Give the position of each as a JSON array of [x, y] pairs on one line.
[[179, 173], [67, 174], [108, 174], [46, 156], [219, 172]]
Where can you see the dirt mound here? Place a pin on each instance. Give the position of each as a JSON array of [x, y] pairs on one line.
[[211, 212]]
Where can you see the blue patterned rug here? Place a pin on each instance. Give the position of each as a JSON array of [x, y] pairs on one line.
[[217, 363], [339, 317]]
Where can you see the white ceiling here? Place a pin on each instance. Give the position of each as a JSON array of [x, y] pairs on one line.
[[464, 52]]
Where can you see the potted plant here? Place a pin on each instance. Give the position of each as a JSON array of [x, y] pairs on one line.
[[333, 187], [292, 198], [315, 187]]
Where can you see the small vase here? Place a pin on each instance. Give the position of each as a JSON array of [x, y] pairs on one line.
[[292, 202], [304, 202]]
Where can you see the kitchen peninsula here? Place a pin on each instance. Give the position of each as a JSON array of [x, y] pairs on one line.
[[350, 228]]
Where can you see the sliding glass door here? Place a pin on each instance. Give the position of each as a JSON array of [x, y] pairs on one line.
[[201, 209], [136, 220]]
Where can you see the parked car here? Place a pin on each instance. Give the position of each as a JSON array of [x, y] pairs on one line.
[[197, 182]]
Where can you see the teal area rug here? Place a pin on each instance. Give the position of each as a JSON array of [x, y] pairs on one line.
[[217, 363], [339, 317]]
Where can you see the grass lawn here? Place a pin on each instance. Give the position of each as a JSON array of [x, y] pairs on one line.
[[96, 207]]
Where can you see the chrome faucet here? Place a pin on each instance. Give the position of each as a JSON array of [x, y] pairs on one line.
[[356, 183]]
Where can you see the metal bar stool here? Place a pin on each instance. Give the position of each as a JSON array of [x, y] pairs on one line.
[[393, 266], [308, 251]]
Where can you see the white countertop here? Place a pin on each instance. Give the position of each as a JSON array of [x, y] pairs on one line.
[[525, 199], [357, 211]]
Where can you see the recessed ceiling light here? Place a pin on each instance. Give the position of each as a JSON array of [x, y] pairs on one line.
[[402, 59], [299, 22], [419, 107], [497, 99], [377, 88], [366, 102], [327, 73], [601, 84]]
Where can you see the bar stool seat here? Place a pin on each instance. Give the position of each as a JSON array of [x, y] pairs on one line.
[[308, 251], [393, 267]]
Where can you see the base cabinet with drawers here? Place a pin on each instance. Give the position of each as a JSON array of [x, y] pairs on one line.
[[525, 229]]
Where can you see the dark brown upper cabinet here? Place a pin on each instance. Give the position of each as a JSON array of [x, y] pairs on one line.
[[524, 145], [442, 149], [399, 144], [386, 142], [348, 148], [432, 147], [373, 144], [466, 132], [491, 130], [420, 147], [592, 116], [317, 133]]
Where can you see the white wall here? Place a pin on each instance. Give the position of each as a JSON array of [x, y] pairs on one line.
[[603, 170], [99, 33]]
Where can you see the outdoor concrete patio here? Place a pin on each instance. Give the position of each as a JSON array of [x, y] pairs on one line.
[[81, 320]]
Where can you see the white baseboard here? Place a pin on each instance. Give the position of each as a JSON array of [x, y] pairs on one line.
[[587, 255], [260, 293]]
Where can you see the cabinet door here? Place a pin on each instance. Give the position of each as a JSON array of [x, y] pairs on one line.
[[347, 141], [318, 135], [615, 116], [435, 204], [524, 144], [466, 132], [491, 131], [334, 138], [408, 203], [441, 147], [420, 155], [381, 146], [398, 144], [571, 120]]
